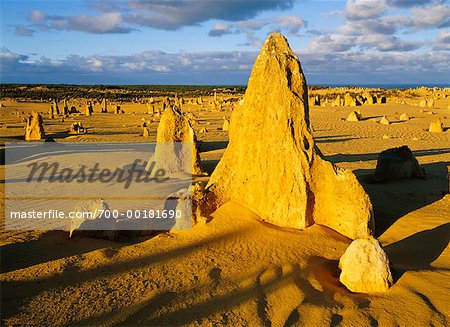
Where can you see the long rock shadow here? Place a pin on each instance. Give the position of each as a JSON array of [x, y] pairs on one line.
[[334, 138], [209, 165], [210, 146], [395, 199], [420, 250], [26, 254], [158, 311], [15, 293], [337, 158]]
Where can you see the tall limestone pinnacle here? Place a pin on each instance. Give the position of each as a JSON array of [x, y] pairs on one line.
[[272, 165], [176, 147]]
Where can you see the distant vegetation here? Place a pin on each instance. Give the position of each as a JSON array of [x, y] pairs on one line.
[[112, 92]]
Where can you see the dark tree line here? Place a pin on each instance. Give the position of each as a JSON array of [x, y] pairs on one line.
[[112, 92]]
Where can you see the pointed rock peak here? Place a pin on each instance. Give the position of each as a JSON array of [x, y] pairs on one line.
[[271, 164], [278, 63], [277, 44]]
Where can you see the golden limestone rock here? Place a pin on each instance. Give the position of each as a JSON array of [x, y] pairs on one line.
[[226, 125], [272, 165], [176, 148], [404, 117], [436, 126], [146, 132], [89, 110], [35, 128], [384, 121], [365, 267], [354, 116], [369, 99], [51, 112]]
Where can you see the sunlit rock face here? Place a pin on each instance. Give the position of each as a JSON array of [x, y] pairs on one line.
[[272, 165], [365, 267]]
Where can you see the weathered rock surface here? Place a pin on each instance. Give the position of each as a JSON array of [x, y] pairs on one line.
[[176, 149], [51, 112], [93, 224], [192, 204], [77, 127], [354, 116], [272, 165], [404, 117], [365, 267], [226, 125], [436, 126], [55, 104], [146, 133], [349, 101], [89, 110], [35, 128], [397, 163], [369, 99], [338, 102], [384, 121]]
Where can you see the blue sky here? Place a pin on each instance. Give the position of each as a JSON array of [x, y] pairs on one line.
[[216, 41]]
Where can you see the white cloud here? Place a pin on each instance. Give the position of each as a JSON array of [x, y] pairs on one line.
[[220, 29], [442, 41], [386, 43], [100, 24], [360, 65], [172, 15], [368, 26], [252, 29], [291, 23], [364, 9], [37, 16], [434, 15], [24, 31], [331, 43]]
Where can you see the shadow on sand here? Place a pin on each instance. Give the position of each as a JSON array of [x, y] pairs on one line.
[[396, 199], [420, 250], [52, 245], [337, 158], [14, 292]]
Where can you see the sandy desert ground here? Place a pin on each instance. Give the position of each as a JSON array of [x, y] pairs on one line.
[[236, 269]]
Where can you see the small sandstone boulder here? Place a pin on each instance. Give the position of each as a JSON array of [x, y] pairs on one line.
[[354, 116], [384, 121], [365, 267], [436, 126], [89, 220], [397, 163], [404, 117]]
